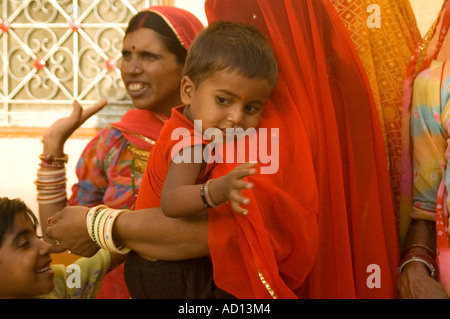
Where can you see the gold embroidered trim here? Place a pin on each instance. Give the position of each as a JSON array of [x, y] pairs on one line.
[[424, 47], [140, 157], [266, 284]]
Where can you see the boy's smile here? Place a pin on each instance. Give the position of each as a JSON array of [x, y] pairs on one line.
[[25, 260]]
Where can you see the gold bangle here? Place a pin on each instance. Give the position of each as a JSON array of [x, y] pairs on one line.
[[49, 158]]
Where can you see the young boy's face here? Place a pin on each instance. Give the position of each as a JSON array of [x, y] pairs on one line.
[[226, 100], [24, 262]]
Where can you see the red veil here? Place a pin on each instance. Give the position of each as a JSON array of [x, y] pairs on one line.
[[332, 176]]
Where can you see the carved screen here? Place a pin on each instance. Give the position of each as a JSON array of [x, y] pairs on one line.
[[55, 51]]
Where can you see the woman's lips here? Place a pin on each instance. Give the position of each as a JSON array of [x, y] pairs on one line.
[[136, 89]]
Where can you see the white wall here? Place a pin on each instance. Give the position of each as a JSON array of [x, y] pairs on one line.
[[426, 12], [19, 161], [197, 7]]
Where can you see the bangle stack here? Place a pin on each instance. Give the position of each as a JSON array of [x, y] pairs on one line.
[[99, 223], [51, 186], [429, 259], [51, 179], [204, 192]]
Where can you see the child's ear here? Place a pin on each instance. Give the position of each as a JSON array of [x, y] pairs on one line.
[[187, 87]]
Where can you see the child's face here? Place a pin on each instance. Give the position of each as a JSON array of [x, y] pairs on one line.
[[24, 262], [226, 100]]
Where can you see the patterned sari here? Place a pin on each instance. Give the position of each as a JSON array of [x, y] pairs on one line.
[[425, 180], [385, 52]]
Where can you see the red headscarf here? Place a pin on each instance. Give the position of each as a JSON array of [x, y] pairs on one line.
[[332, 161], [184, 24]]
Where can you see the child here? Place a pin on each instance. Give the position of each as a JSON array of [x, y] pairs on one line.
[[230, 72], [25, 261]]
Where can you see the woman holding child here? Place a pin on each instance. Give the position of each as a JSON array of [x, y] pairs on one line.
[[111, 166], [332, 164]]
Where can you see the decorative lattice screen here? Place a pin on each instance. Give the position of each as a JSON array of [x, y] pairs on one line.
[[55, 51]]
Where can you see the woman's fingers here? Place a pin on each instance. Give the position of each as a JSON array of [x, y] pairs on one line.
[[87, 113]]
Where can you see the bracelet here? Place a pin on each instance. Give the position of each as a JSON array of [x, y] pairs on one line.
[[109, 242], [430, 267], [49, 158], [51, 186], [90, 217], [423, 258], [99, 223], [53, 165], [52, 172], [207, 196], [202, 193], [428, 249]]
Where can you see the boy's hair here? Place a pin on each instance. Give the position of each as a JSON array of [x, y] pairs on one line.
[[9, 208], [231, 47]]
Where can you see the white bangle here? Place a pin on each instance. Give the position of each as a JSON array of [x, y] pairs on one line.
[[430, 266], [208, 196]]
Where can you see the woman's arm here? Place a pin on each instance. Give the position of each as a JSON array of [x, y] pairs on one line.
[[152, 235], [148, 232], [415, 281], [53, 144]]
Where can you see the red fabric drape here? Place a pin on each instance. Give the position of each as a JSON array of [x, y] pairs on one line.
[[138, 126], [326, 114]]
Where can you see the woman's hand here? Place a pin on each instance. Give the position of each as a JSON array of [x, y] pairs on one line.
[[58, 133], [416, 283], [68, 227]]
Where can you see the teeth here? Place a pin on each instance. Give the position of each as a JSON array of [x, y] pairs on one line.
[[136, 86], [44, 269]]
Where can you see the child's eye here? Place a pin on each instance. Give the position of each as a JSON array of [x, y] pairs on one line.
[[222, 100], [251, 109], [24, 243]]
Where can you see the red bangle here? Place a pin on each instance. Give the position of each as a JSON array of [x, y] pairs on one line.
[[428, 249]]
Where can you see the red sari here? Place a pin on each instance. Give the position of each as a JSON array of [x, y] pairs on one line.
[[332, 161]]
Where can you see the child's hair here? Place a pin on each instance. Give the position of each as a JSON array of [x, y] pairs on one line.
[[9, 208], [153, 21], [232, 47]]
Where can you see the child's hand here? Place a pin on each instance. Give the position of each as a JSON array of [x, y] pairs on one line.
[[234, 184]]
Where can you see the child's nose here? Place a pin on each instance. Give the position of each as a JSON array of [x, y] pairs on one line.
[[44, 247], [236, 116]]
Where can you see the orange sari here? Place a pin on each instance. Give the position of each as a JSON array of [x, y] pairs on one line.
[[332, 162]]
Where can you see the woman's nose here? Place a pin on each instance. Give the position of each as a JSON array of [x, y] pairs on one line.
[[133, 66]]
